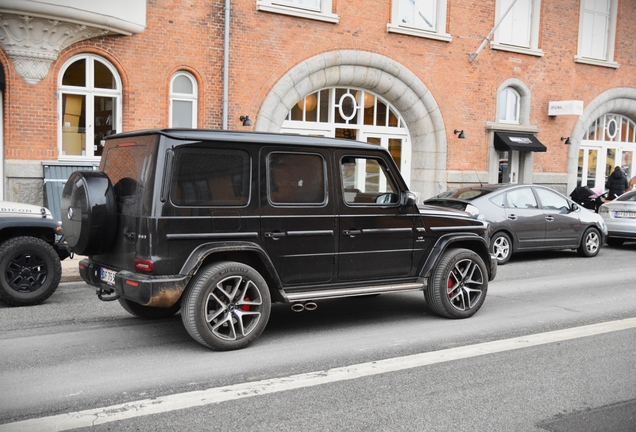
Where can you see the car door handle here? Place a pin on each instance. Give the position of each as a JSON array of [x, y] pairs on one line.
[[512, 217], [351, 233], [274, 235], [549, 218]]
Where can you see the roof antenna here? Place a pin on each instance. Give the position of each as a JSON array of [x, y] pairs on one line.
[[478, 179]]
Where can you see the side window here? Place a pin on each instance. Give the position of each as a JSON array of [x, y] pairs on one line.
[[519, 28], [90, 98], [366, 181], [310, 9], [424, 18], [210, 177], [509, 103], [296, 179], [551, 201], [183, 101], [498, 200], [521, 198], [597, 32]]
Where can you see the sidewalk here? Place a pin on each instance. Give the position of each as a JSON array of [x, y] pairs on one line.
[[70, 269]]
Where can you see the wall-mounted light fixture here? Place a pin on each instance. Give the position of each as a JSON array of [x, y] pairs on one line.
[[566, 139], [460, 132], [246, 120]]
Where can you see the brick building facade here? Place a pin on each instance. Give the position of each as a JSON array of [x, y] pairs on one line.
[[417, 60]]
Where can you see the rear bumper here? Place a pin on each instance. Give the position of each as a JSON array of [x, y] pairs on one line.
[[147, 290]]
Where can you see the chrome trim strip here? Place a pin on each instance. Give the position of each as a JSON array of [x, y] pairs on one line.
[[350, 292], [199, 236], [459, 228], [310, 233]]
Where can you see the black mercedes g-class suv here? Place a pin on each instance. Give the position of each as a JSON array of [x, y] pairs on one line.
[[220, 224]]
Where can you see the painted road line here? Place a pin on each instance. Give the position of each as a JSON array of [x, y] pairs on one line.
[[216, 395]]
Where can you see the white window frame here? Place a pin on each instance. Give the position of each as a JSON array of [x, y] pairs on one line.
[[324, 11], [532, 47], [437, 33], [508, 92], [582, 56], [184, 97], [89, 92]]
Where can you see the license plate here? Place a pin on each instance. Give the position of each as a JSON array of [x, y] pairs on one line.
[[625, 214], [108, 276]]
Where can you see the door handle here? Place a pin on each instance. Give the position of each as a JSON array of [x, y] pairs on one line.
[[274, 235], [512, 217], [351, 233], [549, 218]]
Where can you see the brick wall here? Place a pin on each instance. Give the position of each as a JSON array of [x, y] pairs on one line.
[[188, 35]]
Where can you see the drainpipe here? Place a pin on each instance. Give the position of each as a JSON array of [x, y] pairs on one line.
[[226, 62]]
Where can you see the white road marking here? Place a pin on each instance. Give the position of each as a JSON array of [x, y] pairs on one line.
[[192, 399]]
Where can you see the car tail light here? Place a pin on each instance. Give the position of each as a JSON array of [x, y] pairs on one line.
[[142, 265]]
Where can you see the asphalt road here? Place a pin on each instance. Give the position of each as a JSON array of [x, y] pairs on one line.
[[552, 349]]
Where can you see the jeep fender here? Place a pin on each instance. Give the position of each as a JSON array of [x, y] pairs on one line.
[[459, 240], [245, 252]]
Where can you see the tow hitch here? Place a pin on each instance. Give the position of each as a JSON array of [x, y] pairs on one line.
[[106, 294]]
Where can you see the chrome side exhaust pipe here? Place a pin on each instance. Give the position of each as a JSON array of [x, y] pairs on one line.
[[299, 307]]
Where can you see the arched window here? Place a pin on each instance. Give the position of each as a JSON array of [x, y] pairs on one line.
[[609, 141], [90, 106], [183, 100], [355, 114], [509, 101]]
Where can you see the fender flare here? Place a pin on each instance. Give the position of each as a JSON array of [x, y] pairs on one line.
[[470, 241], [199, 255]]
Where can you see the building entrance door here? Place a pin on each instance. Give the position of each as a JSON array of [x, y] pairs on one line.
[[509, 166]]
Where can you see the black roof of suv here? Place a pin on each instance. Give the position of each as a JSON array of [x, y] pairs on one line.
[[220, 224]]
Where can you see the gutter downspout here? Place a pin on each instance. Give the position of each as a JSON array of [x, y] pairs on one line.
[[226, 62]]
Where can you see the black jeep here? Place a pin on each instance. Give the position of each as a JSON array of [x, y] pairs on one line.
[[220, 224]]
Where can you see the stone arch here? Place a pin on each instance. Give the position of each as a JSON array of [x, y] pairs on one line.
[[384, 77], [620, 100]]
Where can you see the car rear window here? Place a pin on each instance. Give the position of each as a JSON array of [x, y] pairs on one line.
[[210, 177], [467, 194]]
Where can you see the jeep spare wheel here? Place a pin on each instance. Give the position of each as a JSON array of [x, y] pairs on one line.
[[89, 212]]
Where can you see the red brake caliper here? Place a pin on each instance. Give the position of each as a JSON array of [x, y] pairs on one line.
[[450, 285], [246, 308]]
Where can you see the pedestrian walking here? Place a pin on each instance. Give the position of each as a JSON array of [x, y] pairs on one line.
[[617, 183]]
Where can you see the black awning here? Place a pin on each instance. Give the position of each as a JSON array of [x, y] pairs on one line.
[[505, 141]]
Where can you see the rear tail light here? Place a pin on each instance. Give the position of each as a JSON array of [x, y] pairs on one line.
[[145, 266]]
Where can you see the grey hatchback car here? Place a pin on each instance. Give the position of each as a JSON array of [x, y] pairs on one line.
[[528, 217]]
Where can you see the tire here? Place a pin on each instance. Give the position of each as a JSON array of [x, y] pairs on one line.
[[501, 247], [615, 242], [148, 312], [590, 243], [458, 286], [89, 212], [226, 306], [30, 271]]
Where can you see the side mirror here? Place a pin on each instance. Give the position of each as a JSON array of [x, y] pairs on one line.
[[408, 199], [574, 207]]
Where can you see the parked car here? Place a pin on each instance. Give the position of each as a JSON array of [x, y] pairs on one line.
[[620, 218], [528, 217], [220, 224], [31, 250]]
